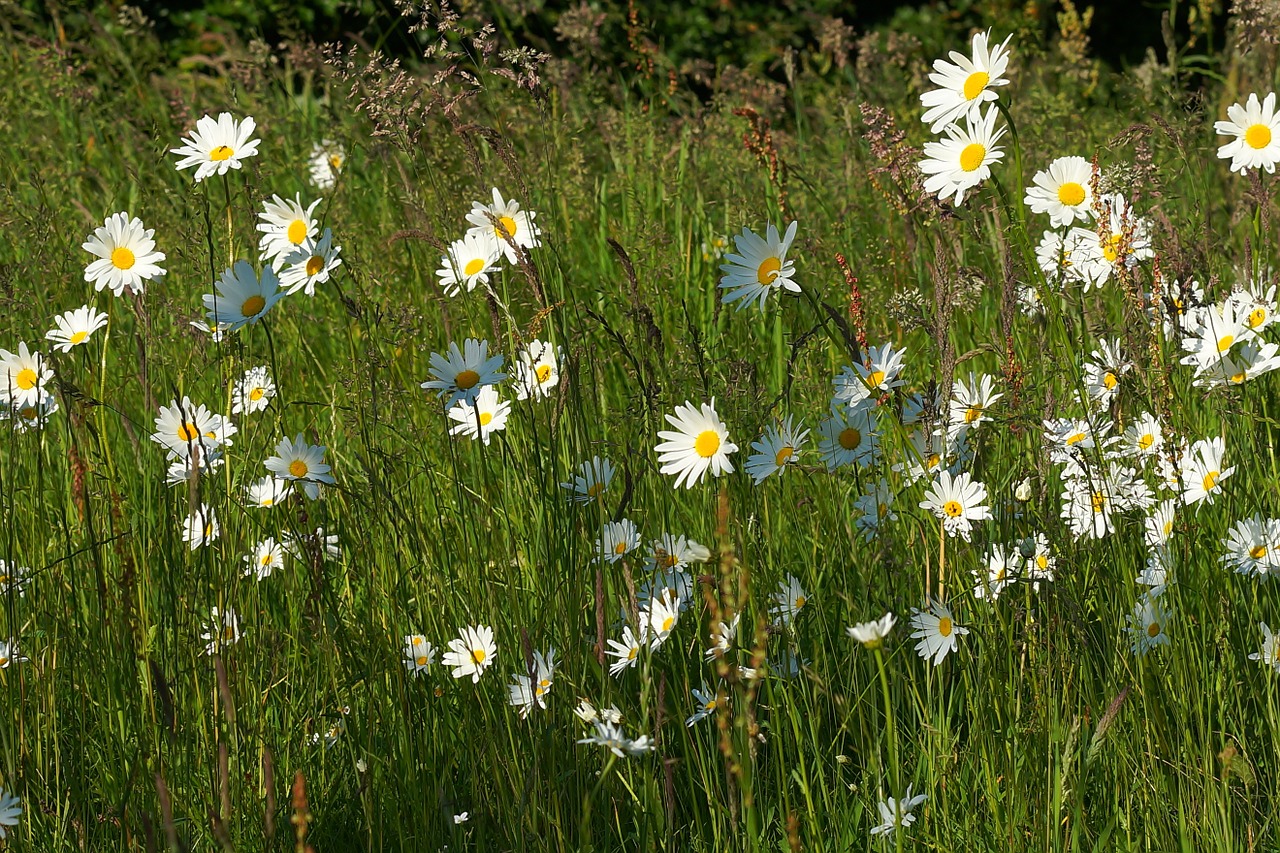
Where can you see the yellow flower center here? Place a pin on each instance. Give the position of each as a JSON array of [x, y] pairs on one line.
[[975, 83], [620, 548], [1257, 317], [1257, 136], [944, 626], [267, 502], [4, 661], [875, 378], [1168, 527], [473, 266], [768, 270], [1210, 481], [594, 490], [507, 224], [800, 600], [972, 413], [335, 162], [420, 660], [26, 379], [298, 468], [314, 264], [1071, 193], [253, 305], [707, 443], [932, 461], [1257, 552], [1153, 629], [1237, 378], [256, 394], [973, 155], [485, 418], [1099, 501], [667, 623], [478, 655], [1042, 562], [297, 231], [952, 509], [1075, 439], [543, 372], [78, 338], [849, 438], [1111, 248], [784, 455], [632, 652], [1225, 342], [266, 559], [466, 379], [122, 258], [222, 152], [188, 432], [1146, 441]]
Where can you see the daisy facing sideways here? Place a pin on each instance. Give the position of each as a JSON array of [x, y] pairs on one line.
[[327, 161], [935, 631], [482, 417], [775, 450], [285, 225], [759, 267], [591, 481], [699, 443], [75, 327], [216, 146], [469, 262], [310, 264]]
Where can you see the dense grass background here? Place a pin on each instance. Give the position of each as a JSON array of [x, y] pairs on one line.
[[1043, 732]]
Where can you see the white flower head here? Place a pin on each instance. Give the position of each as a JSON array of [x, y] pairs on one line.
[[126, 255], [216, 146], [700, 443], [759, 267]]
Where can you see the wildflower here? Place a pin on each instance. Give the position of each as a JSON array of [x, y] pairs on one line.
[[1220, 328], [13, 578], [1256, 303], [1269, 653], [24, 377], [222, 631], [469, 262], [327, 161], [462, 374], [699, 443], [897, 813], [963, 160], [970, 401], [858, 382], [872, 634], [537, 370], [252, 392], [1149, 623], [285, 225], [659, 619], [957, 502], [310, 264], [184, 427], [1144, 439], [1063, 191], [323, 546], [482, 417], [243, 297], [873, 508], [1253, 546], [528, 692], [302, 463], [609, 736], [1038, 560], [1256, 128], [503, 220], [1158, 526], [1158, 569], [777, 448], [1121, 240], [419, 655], [267, 492], [201, 527], [589, 714], [127, 256], [1203, 471], [462, 818], [617, 539], [1102, 375], [674, 553], [849, 437], [967, 82], [216, 332], [788, 601], [472, 653], [708, 701], [758, 267], [936, 631], [627, 651], [723, 635], [591, 481], [9, 654], [10, 811], [267, 557], [997, 576], [75, 327], [1064, 258], [216, 146]]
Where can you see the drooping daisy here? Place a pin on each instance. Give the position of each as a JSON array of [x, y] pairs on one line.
[[872, 634], [849, 437], [75, 327], [700, 442], [419, 655], [1256, 302], [537, 370], [222, 631], [1063, 191], [625, 651], [472, 653], [327, 161], [936, 631], [1148, 624], [1256, 128], [1269, 653], [201, 527], [217, 145], [310, 264], [24, 377], [966, 82], [9, 654], [591, 481], [758, 267], [310, 547], [285, 225], [301, 463], [183, 471], [506, 223], [252, 392], [617, 539], [31, 416], [1253, 546], [267, 492], [242, 297], [873, 508], [789, 599], [127, 256], [858, 382], [1158, 526], [659, 618], [1203, 470], [267, 557], [897, 813], [963, 160], [777, 448], [1220, 328], [957, 502], [469, 262], [481, 418], [706, 701], [589, 714], [1064, 258], [723, 635], [10, 811], [609, 736], [999, 573], [183, 427], [528, 691], [1158, 570], [463, 373]]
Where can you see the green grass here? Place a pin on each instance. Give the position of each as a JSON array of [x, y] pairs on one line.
[[1043, 732]]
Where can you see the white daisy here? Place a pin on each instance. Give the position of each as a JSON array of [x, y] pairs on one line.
[[1269, 653], [183, 428], [13, 578], [858, 382], [759, 267], [788, 601], [285, 225], [849, 436], [776, 449], [9, 655], [529, 690], [675, 553], [966, 82], [1253, 546], [872, 634], [1203, 470], [957, 502], [1144, 438], [267, 492], [252, 392], [469, 262], [707, 701], [1001, 570], [609, 736], [1256, 128], [1063, 191], [1119, 239], [1148, 624], [75, 327], [242, 297], [723, 635], [936, 631], [301, 463], [10, 811], [506, 223], [482, 417], [127, 256], [591, 481], [617, 539], [222, 631], [1064, 258], [970, 402], [537, 370], [216, 146], [963, 160], [1158, 526], [201, 527], [462, 374], [267, 557], [327, 161], [24, 377], [659, 619], [873, 508], [625, 651], [699, 443], [897, 813], [310, 264], [419, 654], [472, 653]]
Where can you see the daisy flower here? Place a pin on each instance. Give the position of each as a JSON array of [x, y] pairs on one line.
[[184, 426], [1221, 328], [1102, 374], [1064, 258], [13, 578], [1039, 562], [481, 418], [1149, 623], [849, 437], [310, 264], [472, 653], [1269, 653], [609, 736], [963, 160], [788, 601], [201, 527], [326, 163], [267, 492], [1063, 191], [957, 502], [873, 508], [970, 401], [897, 813], [674, 553], [9, 654], [267, 556], [311, 546], [75, 327], [302, 463], [617, 538], [537, 370], [469, 262], [127, 256], [506, 223], [1120, 238], [285, 225], [216, 146], [936, 631], [1253, 546], [872, 634], [1158, 526], [463, 373], [723, 635], [699, 443], [858, 382], [1158, 569], [252, 392], [777, 448], [707, 701], [1256, 303], [1144, 438], [10, 811], [24, 377], [625, 651], [989, 584], [196, 465], [966, 82], [589, 714], [1256, 128], [591, 481], [222, 631], [242, 297], [1203, 471], [659, 619], [759, 267], [529, 690], [419, 655]]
